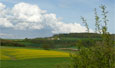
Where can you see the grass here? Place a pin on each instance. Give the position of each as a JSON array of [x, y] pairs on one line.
[[34, 63], [19, 57]]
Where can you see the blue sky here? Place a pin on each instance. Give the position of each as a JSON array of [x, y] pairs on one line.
[[67, 11]]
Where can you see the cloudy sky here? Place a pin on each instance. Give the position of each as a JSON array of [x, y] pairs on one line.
[[42, 18]]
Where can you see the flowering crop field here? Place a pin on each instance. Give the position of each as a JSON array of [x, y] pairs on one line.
[[10, 53]]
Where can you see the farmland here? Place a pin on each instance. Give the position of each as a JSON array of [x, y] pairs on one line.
[[32, 57], [48, 34], [34, 63], [49, 52], [24, 53]]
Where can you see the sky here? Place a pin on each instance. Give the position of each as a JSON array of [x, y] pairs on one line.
[[43, 18]]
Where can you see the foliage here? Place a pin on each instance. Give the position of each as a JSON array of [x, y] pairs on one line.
[[95, 57], [46, 46], [78, 35], [85, 43], [102, 54], [84, 22], [97, 22], [10, 43]]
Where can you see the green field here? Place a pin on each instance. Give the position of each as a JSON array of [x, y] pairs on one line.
[[34, 63], [16, 57]]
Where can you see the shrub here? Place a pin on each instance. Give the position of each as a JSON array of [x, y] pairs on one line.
[[102, 54], [98, 56], [10, 43], [85, 43], [46, 47]]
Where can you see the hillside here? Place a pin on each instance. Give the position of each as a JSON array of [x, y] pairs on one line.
[[56, 41]]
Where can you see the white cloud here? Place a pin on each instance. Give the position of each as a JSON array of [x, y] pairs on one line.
[[21, 26], [2, 6], [5, 34], [5, 23], [2, 10], [24, 16], [68, 28], [28, 12], [61, 27]]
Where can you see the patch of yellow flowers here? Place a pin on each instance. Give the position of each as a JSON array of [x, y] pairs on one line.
[[24, 53]]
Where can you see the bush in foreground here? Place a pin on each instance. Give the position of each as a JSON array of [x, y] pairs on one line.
[[95, 57], [102, 54]]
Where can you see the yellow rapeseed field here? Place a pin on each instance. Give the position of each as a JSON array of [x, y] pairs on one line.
[[25, 53]]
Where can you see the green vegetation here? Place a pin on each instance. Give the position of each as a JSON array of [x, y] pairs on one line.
[[56, 41], [34, 63], [21, 57], [5, 42], [10, 53], [101, 54], [88, 50]]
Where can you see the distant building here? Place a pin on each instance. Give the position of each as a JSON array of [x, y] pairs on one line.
[[51, 38]]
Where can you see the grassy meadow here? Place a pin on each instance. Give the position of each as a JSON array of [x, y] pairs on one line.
[[19, 57], [34, 63]]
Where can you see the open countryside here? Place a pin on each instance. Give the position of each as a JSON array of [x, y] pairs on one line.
[[57, 34]]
